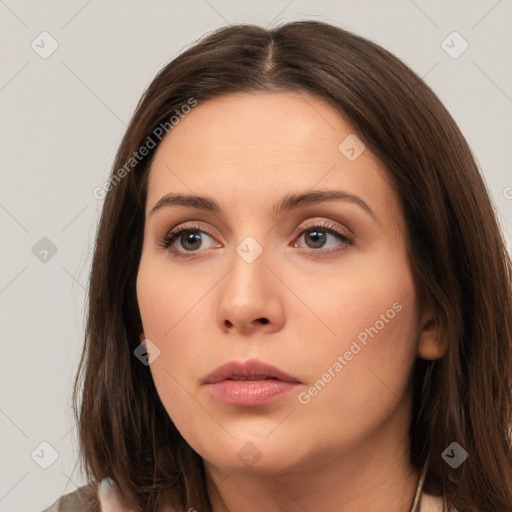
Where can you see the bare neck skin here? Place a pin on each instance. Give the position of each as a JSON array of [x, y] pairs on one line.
[[373, 475]]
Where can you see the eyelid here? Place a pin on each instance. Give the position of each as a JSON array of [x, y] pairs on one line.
[[186, 226], [326, 224], [343, 234]]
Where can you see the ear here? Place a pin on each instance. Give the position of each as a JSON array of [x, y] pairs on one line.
[[432, 342], [142, 337]]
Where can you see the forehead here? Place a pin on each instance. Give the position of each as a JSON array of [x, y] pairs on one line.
[[272, 121], [247, 148]]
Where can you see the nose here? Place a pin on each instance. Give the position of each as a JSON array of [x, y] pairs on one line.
[[250, 298]]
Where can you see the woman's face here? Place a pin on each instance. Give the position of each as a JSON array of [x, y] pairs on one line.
[[318, 288]]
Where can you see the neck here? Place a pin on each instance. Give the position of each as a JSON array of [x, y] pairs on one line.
[[371, 475]]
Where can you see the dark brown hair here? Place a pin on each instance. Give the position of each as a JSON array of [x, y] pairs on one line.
[[458, 257]]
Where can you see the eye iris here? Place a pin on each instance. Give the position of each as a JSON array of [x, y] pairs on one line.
[[317, 236], [191, 237]]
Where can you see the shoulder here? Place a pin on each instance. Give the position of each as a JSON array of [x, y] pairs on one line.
[[104, 497], [112, 500], [84, 499]]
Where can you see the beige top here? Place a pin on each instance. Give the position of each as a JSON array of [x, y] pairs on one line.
[[111, 500]]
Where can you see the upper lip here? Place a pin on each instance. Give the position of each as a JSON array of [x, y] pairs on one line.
[[247, 370]]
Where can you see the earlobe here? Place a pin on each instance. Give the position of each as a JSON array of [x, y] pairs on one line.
[[432, 344], [142, 337]]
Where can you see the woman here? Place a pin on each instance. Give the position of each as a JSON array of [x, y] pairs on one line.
[[300, 297]]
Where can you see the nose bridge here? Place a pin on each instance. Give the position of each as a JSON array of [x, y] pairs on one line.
[[247, 293], [249, 266]]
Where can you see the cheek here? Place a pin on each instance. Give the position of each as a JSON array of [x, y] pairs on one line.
[[370, 301], [168, 308], [362, 372], [371, 381], [164, 299]]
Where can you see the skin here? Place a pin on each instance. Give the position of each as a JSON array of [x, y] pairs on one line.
[[347, 448]]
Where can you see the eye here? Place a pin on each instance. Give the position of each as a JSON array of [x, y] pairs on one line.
[[190, 238], [316, 237]]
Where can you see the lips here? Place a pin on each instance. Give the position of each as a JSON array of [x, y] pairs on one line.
[[250, 370], [249, 384]]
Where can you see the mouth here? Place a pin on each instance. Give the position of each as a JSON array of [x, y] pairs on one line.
[[250, 370], [250, 383], [253, 377]]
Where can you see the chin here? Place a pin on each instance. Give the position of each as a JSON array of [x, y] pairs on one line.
[[252, 453]]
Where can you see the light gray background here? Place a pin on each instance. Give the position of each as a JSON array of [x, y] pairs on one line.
[[62, 120]]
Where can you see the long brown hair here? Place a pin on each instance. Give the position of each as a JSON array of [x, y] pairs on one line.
[[459, 260]]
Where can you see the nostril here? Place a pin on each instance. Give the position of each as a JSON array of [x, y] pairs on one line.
[[263, 320]]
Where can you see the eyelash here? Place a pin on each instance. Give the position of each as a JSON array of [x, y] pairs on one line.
[[172, 235]]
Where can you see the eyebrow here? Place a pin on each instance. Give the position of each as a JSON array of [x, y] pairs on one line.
[[287, 203]]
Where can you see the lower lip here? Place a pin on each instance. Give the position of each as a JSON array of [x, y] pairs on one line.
[[250, 393]]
